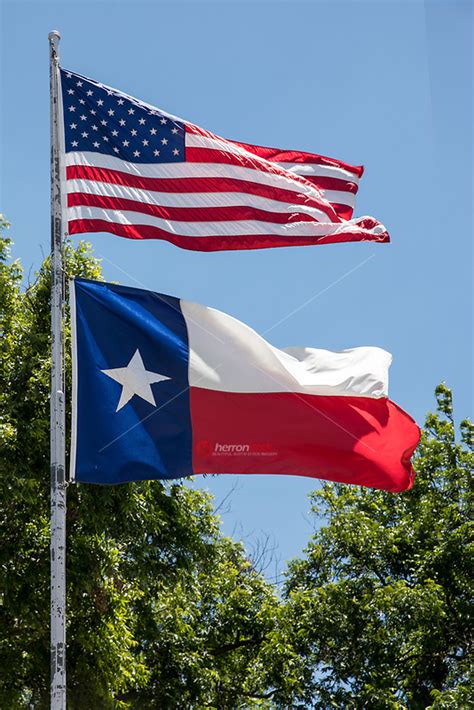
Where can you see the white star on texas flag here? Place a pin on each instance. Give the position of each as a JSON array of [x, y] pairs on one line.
[[135, 380]]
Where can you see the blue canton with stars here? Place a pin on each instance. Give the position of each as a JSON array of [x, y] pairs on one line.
[[102, 120]]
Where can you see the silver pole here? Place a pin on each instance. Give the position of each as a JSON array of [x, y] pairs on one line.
[[58, 483]]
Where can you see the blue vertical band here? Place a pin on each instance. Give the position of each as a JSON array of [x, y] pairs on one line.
[[142, 439]]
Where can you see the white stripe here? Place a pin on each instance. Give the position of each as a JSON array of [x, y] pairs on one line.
[[190, 199], [229, 356], [223, 228], [221, 145], [215, 143], [338, 197], [194, 170], [320, 171]]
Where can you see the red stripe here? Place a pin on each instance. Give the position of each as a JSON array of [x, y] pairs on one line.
[[272, 154], [213, 243], [343, 211], [330, 183], [282, 156], [358, 440], [206, 155], [188, 185], [293, 156], [187, 214]]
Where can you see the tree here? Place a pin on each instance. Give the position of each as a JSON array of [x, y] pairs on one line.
[[163, 610], [379, 607]]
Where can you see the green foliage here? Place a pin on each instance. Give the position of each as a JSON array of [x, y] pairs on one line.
[[163, 611], [380, 607]]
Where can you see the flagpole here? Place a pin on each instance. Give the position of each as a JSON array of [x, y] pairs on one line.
[[57, 412]]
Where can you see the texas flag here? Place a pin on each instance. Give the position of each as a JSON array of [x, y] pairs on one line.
[[164, 388]]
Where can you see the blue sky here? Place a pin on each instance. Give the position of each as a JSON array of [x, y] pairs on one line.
[[384, 84]]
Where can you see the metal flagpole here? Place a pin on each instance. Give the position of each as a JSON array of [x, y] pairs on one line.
[[57, 411]]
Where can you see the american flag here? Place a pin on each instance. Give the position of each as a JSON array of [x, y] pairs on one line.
[[138, 172]]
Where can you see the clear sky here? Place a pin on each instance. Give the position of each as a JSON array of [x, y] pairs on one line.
[[385, 84]]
